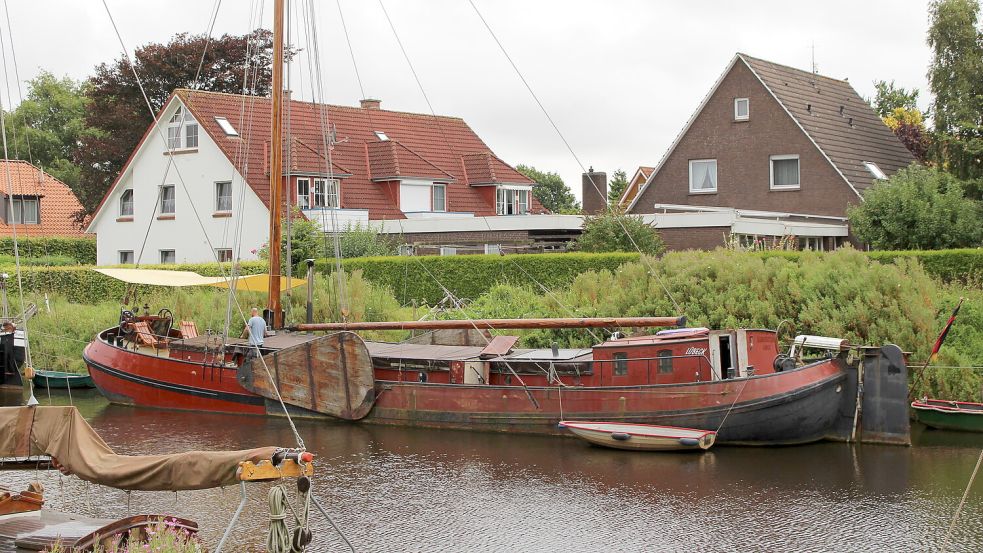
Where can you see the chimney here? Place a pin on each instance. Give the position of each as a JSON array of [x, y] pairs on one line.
[[595, 189], [370, 103]]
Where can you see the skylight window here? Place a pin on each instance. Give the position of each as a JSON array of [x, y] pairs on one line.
[[875, 170], [381, 135], [227, 127]]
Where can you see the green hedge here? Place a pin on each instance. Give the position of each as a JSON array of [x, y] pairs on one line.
[[82, 250], [469, 276], [956, 265]]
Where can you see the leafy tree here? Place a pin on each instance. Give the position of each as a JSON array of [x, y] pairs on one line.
[[955, 80], [918, 208], [889, 97], [118, 111], [51, 119], [306, 241], [617, 186], [616, 231], [550, 190], [909, 127]]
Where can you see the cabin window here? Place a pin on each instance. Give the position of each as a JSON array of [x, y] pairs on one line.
[[439, 197], [126, 203], [702, 176], [665, 361], [126, 257], [785, 172], [168, 257], [224, 255], [741, 109], [24, 211], [167, 199], [223, 196], [620, 364]]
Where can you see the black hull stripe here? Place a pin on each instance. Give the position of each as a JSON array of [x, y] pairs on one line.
[[177, 388]]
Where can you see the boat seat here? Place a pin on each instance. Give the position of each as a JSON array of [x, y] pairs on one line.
[[145, 336], [189, 329]]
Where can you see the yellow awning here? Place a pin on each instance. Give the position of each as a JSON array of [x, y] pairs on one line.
[[163, 277]]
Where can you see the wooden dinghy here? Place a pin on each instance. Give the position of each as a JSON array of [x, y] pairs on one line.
[[57, 379], [949, 415], [641, 437]]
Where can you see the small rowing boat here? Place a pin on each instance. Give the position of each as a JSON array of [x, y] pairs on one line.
[[641, 437], [58, 379], [949, 415]]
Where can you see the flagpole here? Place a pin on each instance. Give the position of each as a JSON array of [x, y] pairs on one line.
[[936, 347]]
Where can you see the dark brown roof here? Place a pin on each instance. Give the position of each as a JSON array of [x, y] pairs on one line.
[[844, 127]]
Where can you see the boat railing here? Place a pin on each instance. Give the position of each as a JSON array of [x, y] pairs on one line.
[[631, 362]]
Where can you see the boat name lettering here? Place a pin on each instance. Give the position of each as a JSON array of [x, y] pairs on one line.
[[696, 351]]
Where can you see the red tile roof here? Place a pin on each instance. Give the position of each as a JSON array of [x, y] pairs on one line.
[[58, 203], [418, 146], [487, 168]]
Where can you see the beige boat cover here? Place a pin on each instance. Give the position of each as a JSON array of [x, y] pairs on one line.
[[164, 277], [62, 433]]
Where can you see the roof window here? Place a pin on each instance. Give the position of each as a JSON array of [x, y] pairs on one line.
[[227, 127], [381, 135], [875, 170]]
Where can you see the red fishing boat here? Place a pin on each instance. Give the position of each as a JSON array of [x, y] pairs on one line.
[[735, 382]]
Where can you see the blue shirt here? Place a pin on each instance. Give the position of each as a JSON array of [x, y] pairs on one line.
[[257, 329]]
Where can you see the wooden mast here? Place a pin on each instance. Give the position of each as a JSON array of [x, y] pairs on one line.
[[276, 169]]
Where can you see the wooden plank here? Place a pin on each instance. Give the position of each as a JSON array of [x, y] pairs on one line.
[[331, 374], [499, 346], [264, 470]]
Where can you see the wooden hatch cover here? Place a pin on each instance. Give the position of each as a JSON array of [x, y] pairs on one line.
[[331, 374]]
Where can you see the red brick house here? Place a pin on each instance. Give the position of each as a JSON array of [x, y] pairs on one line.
[[35, 202], [770, 141]]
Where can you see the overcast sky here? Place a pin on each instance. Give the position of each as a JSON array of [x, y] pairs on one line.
[[620, 78]]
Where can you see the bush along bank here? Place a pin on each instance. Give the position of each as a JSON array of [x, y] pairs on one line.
[[81, 250]]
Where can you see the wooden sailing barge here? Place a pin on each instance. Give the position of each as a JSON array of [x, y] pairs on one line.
[[691, 378]]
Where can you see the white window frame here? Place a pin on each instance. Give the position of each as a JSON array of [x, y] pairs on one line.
[[226, 126], [306, 195], [737, 115], [163, 253], [221, 253], [771, 171], [443, 197], [332, 194], [122, 253], [512, 198], [716, 183], [182, 131], [17, 207], [219, 208], [875, 170], [123, 203], [173, 200]]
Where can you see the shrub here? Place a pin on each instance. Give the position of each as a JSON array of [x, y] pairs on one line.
[[468, 276], [82, 250], [918, 208], [615, 231], [358, 241]]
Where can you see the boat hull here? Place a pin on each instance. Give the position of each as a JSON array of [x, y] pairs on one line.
[[55, 379], [637, 437], [948, 418]]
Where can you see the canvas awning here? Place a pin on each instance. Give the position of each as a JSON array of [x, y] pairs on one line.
[[163, 277]]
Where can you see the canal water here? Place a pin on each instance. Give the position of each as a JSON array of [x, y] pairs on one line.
[[402, 489]]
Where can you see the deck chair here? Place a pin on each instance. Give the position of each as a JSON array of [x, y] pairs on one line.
[[189, 329], [145, 336]]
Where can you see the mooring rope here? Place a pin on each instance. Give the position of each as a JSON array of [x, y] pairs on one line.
[[278, 539], [962, 502]]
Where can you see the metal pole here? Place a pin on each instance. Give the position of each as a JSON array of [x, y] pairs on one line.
[[235, 517], [310, 291]]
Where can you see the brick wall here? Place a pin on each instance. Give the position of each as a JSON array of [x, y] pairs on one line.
[[742, 150], [703, 238], [462, 238]]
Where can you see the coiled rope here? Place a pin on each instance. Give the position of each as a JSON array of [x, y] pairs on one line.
[[278, 539]]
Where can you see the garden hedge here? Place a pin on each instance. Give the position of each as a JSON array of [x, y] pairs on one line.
[[956, 265], [82, 250], [468, 276]]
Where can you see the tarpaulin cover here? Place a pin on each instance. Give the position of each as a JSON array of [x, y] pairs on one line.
[[163, 277], [62, 433]]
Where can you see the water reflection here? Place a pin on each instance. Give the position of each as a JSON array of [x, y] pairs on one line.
[[400, 489]]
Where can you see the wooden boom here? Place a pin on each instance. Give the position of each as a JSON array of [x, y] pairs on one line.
[[498, 324]]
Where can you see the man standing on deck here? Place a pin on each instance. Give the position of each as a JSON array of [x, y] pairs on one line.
[[255, 330]]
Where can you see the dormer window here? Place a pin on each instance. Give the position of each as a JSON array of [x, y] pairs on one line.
[[323, 193], [182, 130], [25, 210], [509, 201], [742, 109]]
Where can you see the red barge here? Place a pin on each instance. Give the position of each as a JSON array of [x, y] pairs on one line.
[[736, 382]]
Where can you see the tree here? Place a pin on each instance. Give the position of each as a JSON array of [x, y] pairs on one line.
[[956, 80], [306, 241], [117, 109], [550, 190], [617, 186], [610, 231], [889, 97], [51, 122], [909, 127], [918, 208]]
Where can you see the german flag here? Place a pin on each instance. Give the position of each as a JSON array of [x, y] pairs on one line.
[[945, 331]]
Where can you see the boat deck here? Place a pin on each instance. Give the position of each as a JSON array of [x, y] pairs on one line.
[[425, 352], [40, 530]]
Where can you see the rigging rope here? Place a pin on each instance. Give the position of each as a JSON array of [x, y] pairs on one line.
[[962, 502]]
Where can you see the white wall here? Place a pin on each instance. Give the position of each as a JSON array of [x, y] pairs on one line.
[[184, 234], [345, 218]]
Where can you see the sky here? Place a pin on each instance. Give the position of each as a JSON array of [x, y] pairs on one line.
[[619, 78]]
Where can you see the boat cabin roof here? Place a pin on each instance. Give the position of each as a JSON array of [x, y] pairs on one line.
[[471, 353]]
